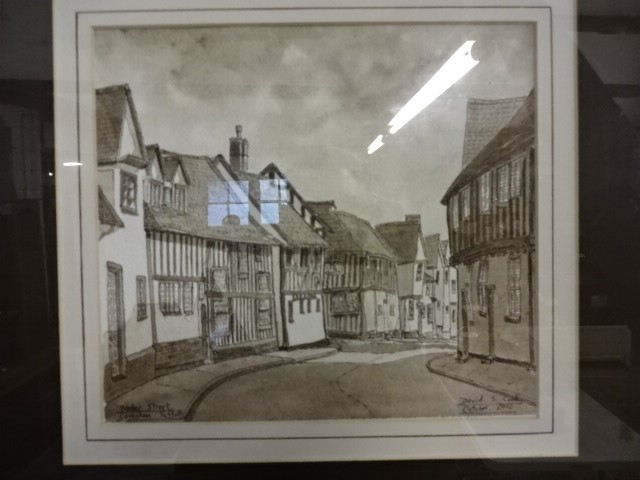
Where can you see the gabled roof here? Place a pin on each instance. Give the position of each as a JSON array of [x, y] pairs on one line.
[[403, 238], [485, 118], [520, 129], [202, 170], [291, 225], [170, 163], [432, 250], [111, 105], [107, 215], [350, 234]]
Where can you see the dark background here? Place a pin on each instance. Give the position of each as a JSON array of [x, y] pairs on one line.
[[608, 43]]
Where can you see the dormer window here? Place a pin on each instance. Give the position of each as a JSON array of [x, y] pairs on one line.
[[180, 198], [128, 192]]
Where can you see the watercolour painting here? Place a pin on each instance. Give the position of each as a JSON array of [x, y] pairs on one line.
[[296, 227]]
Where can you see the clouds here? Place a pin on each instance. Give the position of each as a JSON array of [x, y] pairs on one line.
[[312, 98]]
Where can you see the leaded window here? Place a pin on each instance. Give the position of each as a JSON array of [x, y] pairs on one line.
[[187, 297], [514, 286], [128, 192], [141, 297], [169, 296], [485, 192]]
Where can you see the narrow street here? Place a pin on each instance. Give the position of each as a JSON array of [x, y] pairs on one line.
[[351, 385]]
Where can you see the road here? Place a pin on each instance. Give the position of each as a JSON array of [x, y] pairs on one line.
[[350, 385]]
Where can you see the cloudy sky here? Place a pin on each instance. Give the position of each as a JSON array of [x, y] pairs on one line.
[[312, 98]]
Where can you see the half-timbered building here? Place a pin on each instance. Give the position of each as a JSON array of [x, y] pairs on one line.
[[491, 211], [406, 240], [212, 265], [301, 259], [360, 281]]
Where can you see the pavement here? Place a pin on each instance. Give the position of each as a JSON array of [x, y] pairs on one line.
[[174, 397], [377, 358], [514, 381]]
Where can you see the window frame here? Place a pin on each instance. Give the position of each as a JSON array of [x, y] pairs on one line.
[[133, 178], [141, 298]]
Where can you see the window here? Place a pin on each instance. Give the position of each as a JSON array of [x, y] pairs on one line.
[[228, 203], [218, 279], [485, 192], [503, 184], [243, 261], [411, 306], [345, 303], [482, 285], [454, 284], [257, 253], [308, 305], [290, 311], [514, 287], [304, 257], [392, 310], [446, 275], [318, 304], [187, 297], [418, 272], [301, 305], [454, 212], [180, 198], [141, 297], [516, 178], [128, 192], [438, 277], [446, 309], [288, 258], [379, 311], [466, 204], [273, 192], [169, 293], [318, 260]]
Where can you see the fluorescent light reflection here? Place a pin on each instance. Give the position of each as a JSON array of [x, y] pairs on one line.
[[71, 164], [460, 63], [375, 145]]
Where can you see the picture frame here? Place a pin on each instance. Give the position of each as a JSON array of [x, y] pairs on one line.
[[504, 322]]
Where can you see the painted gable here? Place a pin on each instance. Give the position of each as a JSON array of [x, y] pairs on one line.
[[420, 255], [179, 177]]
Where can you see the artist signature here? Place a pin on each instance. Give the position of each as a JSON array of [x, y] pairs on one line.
[[487, 404], [150, 410]]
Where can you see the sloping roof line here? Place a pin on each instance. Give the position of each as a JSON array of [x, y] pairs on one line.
[[484, 119], [432, 249], [107, 215], [111, 103], [293, 228], [402, 238], [520, 127], [367, 244]]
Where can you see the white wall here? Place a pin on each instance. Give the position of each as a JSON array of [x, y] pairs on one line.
[[307, 327], [127, 248]]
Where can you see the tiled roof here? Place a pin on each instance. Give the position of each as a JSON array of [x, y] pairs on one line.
[[107, 215], [337, 235], [432, 249], [403, 238], [291, 225], [364, 235], [521, 128], [202, 170], [485, 118], [110, 118]]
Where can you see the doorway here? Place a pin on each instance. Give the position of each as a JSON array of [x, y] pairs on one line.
[[115, 320]]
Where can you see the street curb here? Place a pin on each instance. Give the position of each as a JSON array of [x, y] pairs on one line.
[[215, 383], [490, 388]]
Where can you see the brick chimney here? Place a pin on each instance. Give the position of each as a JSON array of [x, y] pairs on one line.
[[239, 151], [413, 218]]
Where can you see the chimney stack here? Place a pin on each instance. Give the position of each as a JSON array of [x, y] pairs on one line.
[[239, 151], [413, 218]]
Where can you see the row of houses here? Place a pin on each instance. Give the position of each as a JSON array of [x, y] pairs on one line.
[[200, 259]]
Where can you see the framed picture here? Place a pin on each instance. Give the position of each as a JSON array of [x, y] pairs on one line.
[[389, 272]]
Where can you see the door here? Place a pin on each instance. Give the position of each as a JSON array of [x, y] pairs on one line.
[[115, 320], [464, 324], [205, 331]]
